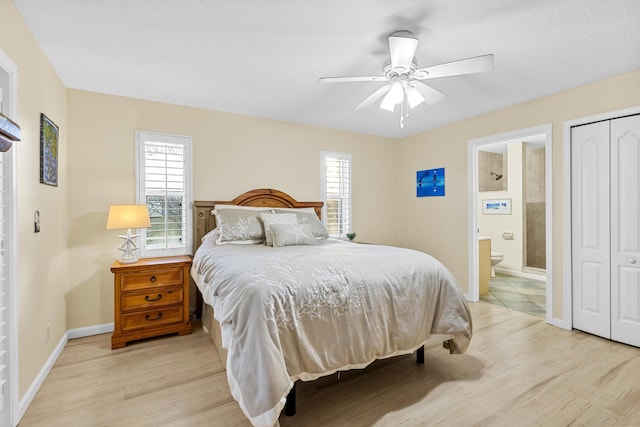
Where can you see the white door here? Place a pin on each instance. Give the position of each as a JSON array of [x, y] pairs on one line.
[[4, 301], [8, 339], [590, 228], [625, 230], [605, 214]]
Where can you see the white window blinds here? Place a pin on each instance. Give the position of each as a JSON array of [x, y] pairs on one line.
[[164, 185], [336, 192]]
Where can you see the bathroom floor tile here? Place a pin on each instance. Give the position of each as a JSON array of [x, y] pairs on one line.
[[517, 293]]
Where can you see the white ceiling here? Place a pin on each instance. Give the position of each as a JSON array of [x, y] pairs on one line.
[[264, 58]]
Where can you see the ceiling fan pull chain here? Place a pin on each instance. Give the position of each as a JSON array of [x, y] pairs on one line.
[[407, 107], [402, 115]]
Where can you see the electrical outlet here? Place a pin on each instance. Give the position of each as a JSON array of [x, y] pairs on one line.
[[46, 333]]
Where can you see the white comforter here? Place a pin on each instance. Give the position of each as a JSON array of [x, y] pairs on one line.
[[301, 312]]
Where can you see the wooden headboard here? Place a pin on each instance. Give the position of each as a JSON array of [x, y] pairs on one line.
[[204, 220]]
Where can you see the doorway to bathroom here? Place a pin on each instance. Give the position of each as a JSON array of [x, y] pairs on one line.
[[510, 220]]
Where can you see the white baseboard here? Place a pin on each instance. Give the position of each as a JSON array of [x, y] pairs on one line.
[[90, 330], [46, 368]]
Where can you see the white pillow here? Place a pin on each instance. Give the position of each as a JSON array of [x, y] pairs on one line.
[[239, 224], [292, 234], [247, 208], [308, 216], [268, 219], [211, 236], [218, 208], [294, 210]]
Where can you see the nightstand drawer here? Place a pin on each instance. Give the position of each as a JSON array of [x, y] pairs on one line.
[[150, 298], [151, 318], [149, 279]]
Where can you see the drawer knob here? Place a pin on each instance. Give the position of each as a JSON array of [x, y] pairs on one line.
[[158, 298], [153, 278], [158, 317]]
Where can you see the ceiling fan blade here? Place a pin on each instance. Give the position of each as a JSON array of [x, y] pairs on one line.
[[430, 95], [402, 48], [352, 79], [476, 64], [369, 100]]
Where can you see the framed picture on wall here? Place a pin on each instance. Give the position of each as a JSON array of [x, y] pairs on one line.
[[49, 145], [430, 183], [496, 207]]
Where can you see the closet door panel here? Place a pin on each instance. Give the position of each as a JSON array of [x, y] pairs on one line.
[[590, 228], [625, 230]]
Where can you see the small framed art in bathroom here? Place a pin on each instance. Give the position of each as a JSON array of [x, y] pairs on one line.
[[496, 206]]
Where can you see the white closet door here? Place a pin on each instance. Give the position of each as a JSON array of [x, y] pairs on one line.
[[590, 228], [625, 230]]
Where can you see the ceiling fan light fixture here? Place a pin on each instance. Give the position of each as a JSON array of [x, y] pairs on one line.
[[386, 105], [396, 93], [414, 98], [394, 97]]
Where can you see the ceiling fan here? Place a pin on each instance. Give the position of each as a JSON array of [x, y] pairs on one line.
[[403, 77]]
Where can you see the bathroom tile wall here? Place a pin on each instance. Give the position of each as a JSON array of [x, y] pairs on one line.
[[535, 208], [492, 163]]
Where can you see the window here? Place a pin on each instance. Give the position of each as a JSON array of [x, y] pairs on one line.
[[164, 184], [336, 192]]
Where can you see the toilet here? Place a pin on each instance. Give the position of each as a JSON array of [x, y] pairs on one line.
[[496, 258]]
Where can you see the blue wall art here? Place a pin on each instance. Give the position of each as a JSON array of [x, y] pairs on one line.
[[430, 183]]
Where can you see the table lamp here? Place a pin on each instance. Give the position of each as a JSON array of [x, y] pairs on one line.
[[128, 216]]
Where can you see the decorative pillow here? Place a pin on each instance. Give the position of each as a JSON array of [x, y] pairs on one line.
[[242, 208], [211, 236], [308, 216], [218, 208], [269, 219], [239, 225], [295, 210], [292, 234]]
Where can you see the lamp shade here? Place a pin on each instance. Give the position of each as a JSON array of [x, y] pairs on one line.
[[128, 216]]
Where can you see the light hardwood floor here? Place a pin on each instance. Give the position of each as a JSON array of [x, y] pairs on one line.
[[518, 371]]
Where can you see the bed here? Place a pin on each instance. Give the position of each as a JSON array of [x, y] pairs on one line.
[[309, 306]]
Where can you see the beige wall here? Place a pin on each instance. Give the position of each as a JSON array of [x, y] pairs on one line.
[[231, 154], [42, 269], [438, 225]]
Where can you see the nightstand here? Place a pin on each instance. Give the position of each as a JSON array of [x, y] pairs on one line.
[[151, 298]]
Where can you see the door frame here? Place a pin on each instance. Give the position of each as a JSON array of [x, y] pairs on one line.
[[12, 236], [472, 149], [567, 278]]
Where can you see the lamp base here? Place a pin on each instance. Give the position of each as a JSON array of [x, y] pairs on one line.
[[128, 248]]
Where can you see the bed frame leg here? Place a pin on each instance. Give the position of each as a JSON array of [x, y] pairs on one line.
[[420, 356], [290, 404]]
